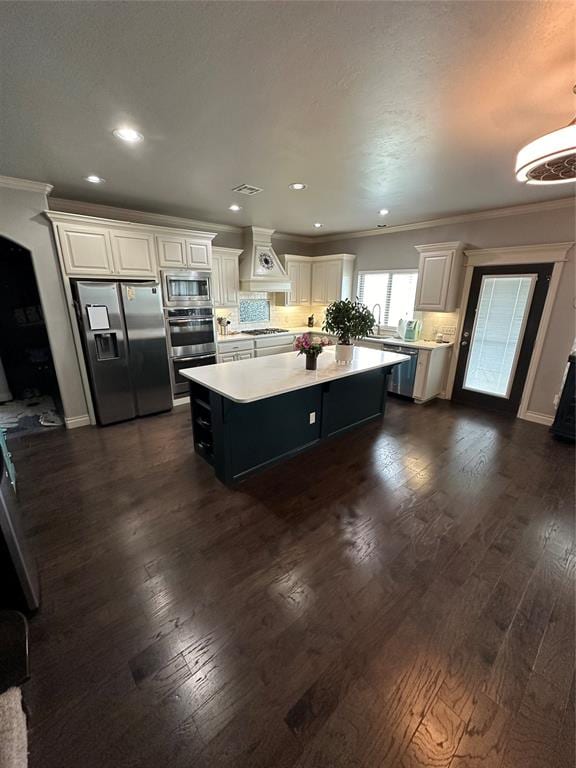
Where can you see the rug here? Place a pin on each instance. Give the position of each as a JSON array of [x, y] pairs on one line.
[[13, 734], [31, 415]]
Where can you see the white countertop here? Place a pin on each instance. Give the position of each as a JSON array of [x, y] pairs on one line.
[[317, 331], [234, 337], [420, 344], [245, 381]]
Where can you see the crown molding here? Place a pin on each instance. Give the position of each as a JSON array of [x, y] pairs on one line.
[[158, 219], [220, 250], [100, 211], [59, 217], [25, 185], [433, 247], [494, 213], [518, 254]]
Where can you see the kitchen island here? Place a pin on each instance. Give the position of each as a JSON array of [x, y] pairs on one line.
[[249, 414]]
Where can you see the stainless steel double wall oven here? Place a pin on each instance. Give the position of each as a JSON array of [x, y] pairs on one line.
[[189, 319]]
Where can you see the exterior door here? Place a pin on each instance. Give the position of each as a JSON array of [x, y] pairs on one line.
[[500, 326]]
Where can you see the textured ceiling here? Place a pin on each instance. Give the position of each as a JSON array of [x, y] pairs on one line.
[[418, 107]]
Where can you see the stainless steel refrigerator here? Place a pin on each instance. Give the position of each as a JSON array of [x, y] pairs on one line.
[[124, 341]]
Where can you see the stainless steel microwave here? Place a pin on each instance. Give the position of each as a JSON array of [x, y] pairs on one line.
[[186, 289]]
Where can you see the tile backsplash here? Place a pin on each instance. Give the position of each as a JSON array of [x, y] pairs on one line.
[[280, 316], [292, 317], [438, 322], [254, 311]]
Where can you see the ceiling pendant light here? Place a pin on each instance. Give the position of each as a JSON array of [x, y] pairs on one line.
[[550, 159]]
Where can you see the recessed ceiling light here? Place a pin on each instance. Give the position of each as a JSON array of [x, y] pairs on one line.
[[383, 212], [234, 207], [318, 225], [130, 135], [93, 179], [297, 186]]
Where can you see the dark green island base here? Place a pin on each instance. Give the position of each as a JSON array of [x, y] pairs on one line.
[[238, 439]]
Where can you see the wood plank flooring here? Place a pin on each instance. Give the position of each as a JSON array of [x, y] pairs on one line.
[[401, 596]]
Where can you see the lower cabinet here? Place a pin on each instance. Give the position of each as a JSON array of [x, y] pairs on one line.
[[431, 373], [229, 351]]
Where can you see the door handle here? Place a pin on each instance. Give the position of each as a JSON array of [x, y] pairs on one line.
[[464, 344]]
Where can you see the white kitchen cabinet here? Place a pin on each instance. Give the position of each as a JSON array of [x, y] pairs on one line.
[[133, 253], [299, 270], [181, 252], [439, 277], [95, 247], [302, 285], [228, 351], [332, 278], [229, 357], [86, 250], [317, 280], [225, 276], [198, 254], [431, 372], [318, 289], [171, 252]]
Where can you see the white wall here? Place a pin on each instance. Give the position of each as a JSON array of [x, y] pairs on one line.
[[22, 220], [396, 250]]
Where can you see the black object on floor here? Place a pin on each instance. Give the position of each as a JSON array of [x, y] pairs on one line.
[[564, 425], [14, 668]]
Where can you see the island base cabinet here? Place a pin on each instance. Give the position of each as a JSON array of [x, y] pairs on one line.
[[349, 402], [239, 439]]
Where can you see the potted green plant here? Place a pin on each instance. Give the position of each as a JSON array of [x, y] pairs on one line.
[[348, 320]]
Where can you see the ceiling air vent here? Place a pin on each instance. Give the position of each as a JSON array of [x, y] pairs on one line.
[[247, 189]]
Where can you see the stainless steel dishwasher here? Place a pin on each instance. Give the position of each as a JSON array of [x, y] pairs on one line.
[[401, 382]]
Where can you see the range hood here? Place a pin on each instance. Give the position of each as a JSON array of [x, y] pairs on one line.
[[260, 268]]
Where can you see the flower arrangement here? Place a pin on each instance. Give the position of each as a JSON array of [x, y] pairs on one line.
[[311, 347]]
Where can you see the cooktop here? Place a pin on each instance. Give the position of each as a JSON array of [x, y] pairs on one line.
[[265, 331]]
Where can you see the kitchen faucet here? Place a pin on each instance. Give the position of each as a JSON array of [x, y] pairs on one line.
[[377, 325]]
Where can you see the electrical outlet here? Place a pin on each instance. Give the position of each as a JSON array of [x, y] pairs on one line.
[[312, 417]]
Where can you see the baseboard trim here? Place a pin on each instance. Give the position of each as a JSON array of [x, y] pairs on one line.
[[77, 421], [537, 418]]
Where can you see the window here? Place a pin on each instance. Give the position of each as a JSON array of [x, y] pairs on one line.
[[394, 291], [498, 333]]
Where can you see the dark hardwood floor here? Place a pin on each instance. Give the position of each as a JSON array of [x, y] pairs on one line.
[[400, 596]]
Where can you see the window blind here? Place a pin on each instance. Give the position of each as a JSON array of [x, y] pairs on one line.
[[394, 291]]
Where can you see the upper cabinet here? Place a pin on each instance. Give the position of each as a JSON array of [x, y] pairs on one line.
[[93, 247], [171, 252], [439, 277], [198, 254], [85, 250], [225, 276], [318, 280], [183, 252], [133, 253], [299, 270], [332, 278]]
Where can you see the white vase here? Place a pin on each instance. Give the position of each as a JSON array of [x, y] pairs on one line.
[[344, 353]]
